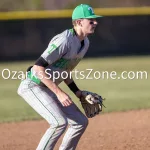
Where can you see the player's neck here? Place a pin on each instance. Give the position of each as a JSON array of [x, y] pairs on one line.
[[80, 34]]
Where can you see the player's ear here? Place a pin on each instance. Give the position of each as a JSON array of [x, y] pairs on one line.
[[79, 22], [74, 22]]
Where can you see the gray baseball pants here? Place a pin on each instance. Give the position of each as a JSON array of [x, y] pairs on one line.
[[45, 103]]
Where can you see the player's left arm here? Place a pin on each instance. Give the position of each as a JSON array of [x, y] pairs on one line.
[[72, 86], [70, 82]]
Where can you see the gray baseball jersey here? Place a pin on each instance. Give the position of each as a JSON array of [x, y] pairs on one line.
[[63, 53]]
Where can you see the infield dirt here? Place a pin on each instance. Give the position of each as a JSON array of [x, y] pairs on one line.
[[113, 131]]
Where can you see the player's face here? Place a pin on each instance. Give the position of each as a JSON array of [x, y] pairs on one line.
[[88, 25]]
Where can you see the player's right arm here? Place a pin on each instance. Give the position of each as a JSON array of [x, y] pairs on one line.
[[54, 52], [61, 95]]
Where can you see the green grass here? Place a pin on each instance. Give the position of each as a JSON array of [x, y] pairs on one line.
[[121, 95]]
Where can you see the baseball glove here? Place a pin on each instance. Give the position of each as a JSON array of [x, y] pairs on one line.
[[92, 103]]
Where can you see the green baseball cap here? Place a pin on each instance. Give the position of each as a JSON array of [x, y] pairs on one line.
[[83, 11]]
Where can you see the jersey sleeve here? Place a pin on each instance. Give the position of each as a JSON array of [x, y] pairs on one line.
[[55, 50]]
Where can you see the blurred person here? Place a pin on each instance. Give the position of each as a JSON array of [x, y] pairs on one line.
[[41, 88]]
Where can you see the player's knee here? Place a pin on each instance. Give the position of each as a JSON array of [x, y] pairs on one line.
[[63, 125], [60, 124], [84, 122]]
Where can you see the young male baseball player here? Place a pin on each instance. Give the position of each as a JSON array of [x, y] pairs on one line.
[[42, 92]]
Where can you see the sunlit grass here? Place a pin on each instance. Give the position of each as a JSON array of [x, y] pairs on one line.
[[121, 95]]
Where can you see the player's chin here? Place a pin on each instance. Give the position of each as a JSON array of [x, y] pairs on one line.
[[92, 31]]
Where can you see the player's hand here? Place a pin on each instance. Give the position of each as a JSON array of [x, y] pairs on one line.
[[64, 99]]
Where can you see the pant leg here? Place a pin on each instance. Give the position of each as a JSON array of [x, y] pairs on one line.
[[78, 122], [43, 101]]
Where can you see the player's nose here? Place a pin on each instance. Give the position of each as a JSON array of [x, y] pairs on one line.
[[95, 22]]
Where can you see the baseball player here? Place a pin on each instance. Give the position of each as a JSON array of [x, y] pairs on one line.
[[42, 92]]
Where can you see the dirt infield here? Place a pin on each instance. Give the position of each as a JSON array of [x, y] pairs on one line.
[[112, 131]]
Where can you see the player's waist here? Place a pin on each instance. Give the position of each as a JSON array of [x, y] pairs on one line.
[[55, 74], [33, 78]]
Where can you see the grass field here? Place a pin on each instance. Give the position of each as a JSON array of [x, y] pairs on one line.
[[121, 95]]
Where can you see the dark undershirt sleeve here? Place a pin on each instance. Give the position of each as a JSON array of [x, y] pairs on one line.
[[41, 62]]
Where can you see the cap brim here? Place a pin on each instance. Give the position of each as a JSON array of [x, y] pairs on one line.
[[94, 16]]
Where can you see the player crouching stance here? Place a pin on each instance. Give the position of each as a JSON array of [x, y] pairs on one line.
[[63, 53]]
